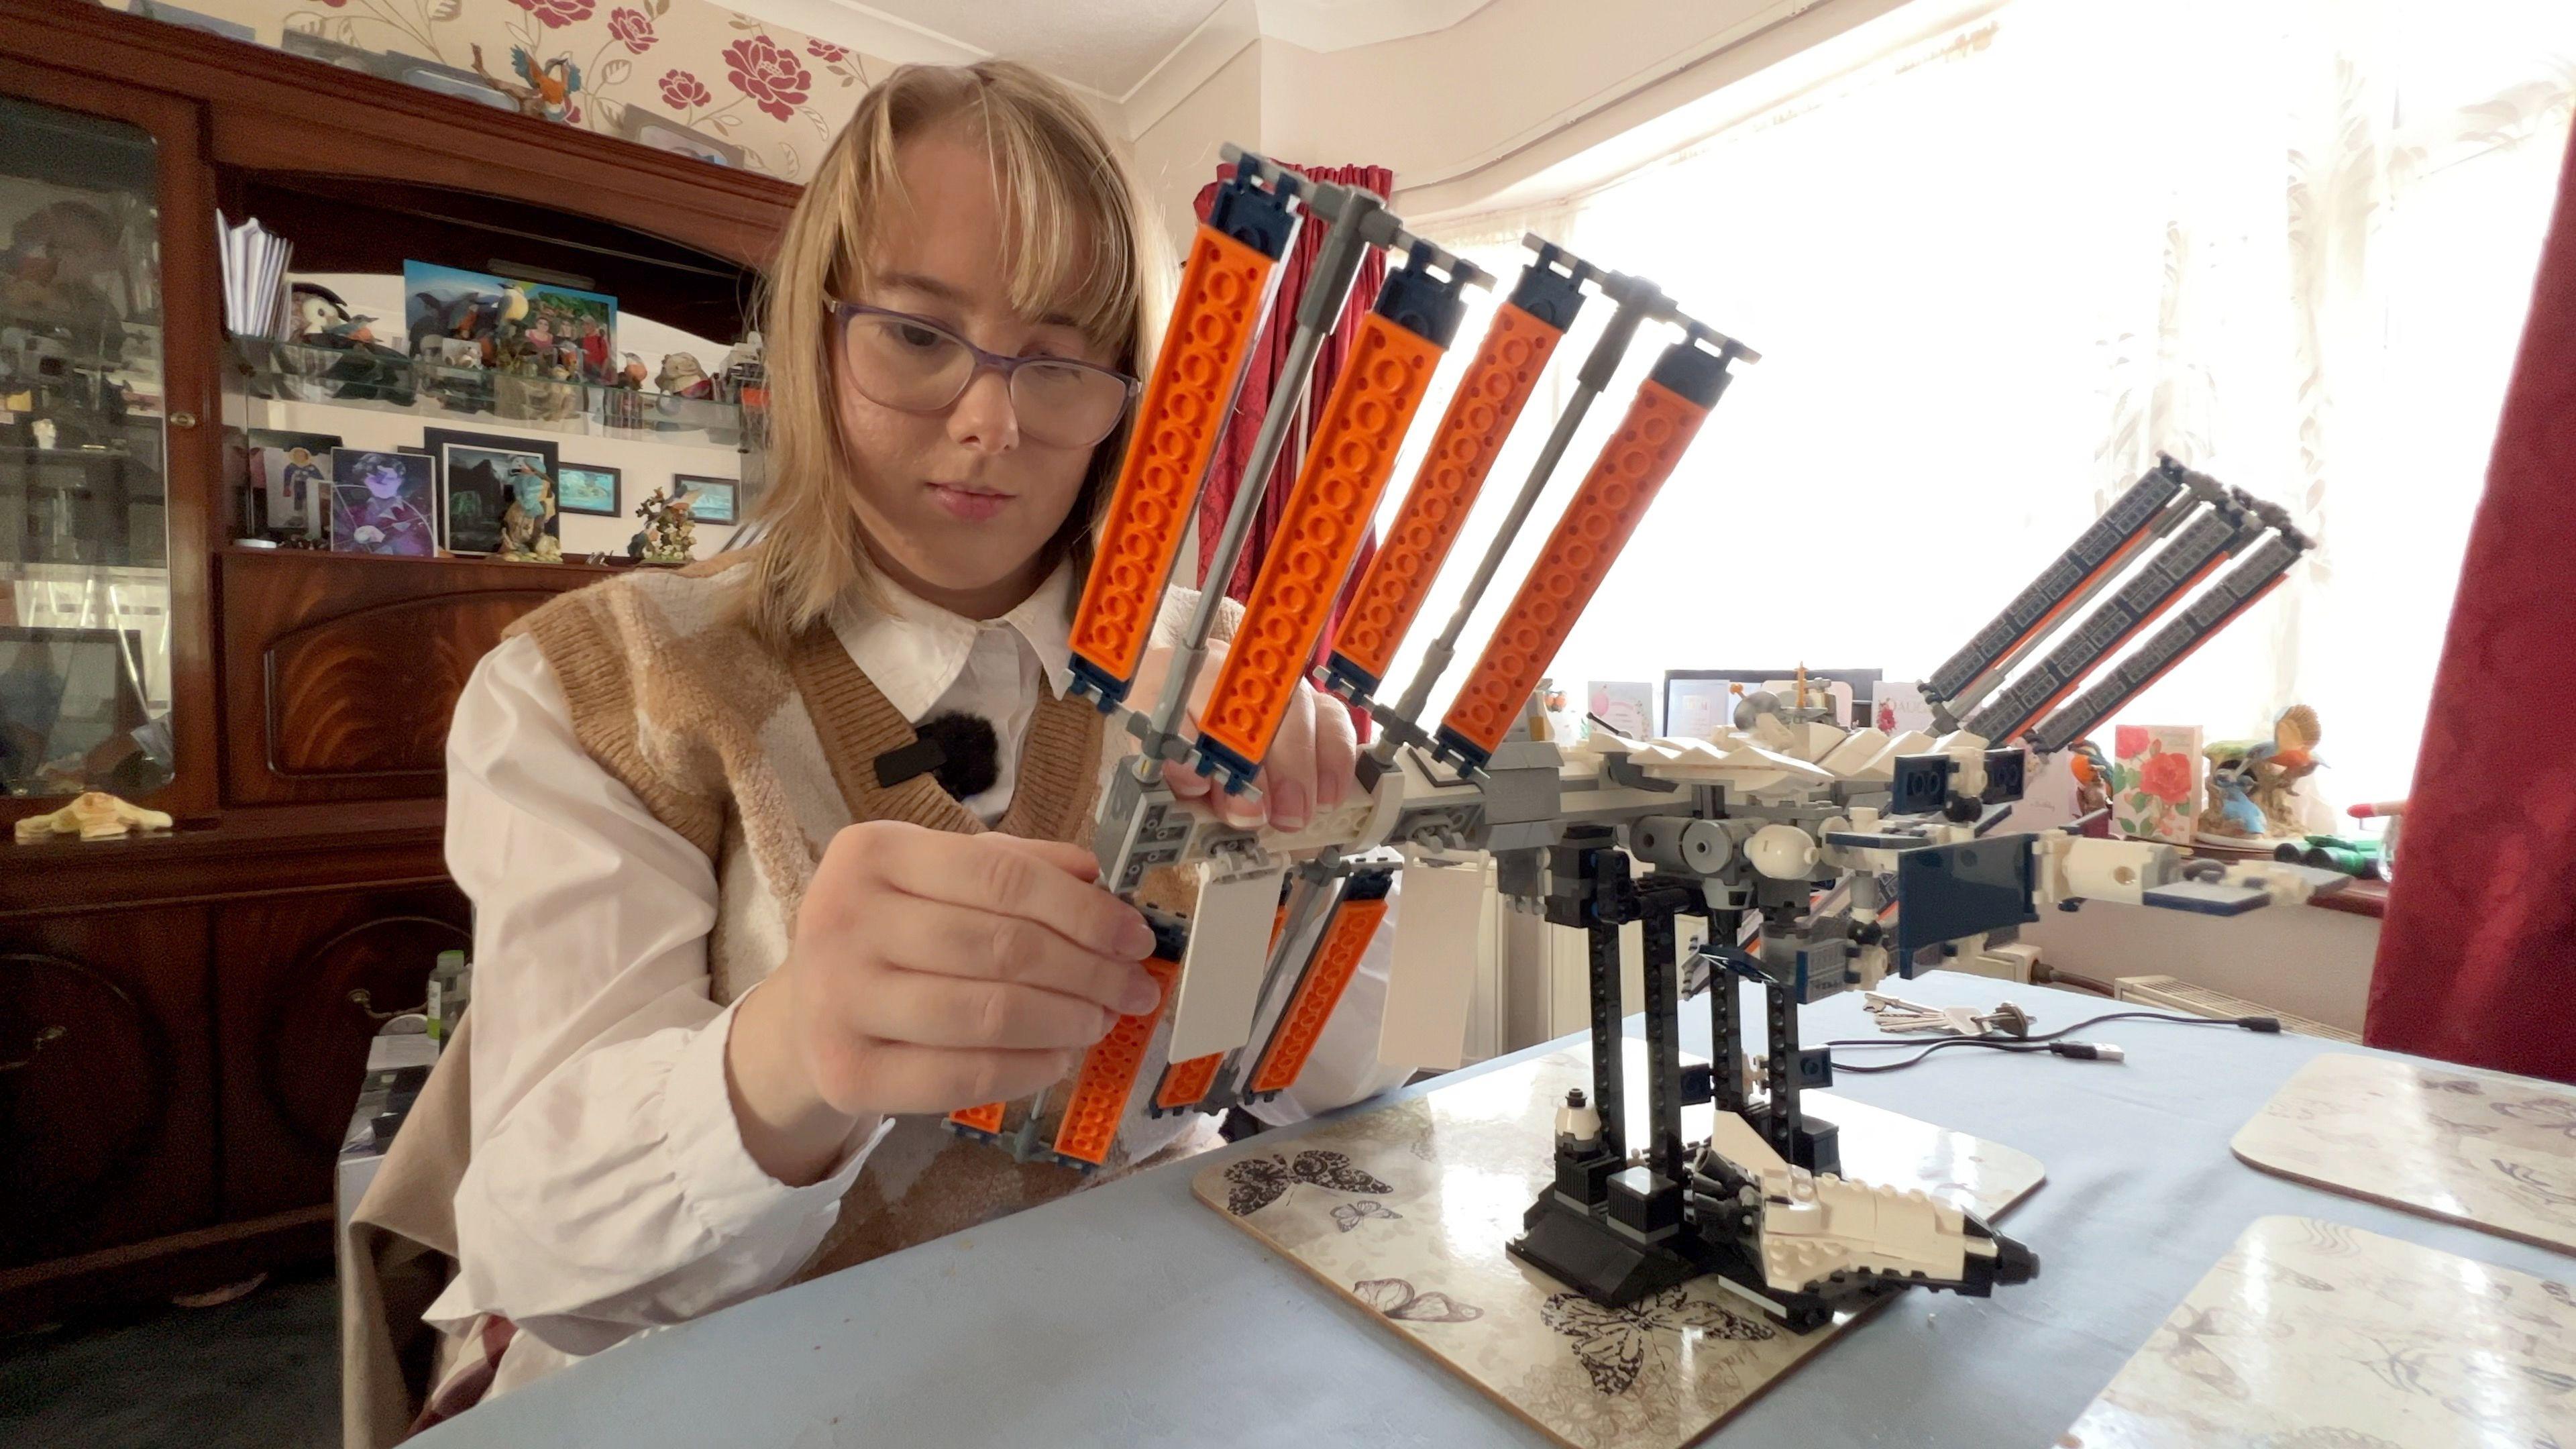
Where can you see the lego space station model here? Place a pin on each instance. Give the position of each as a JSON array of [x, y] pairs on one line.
[[1821, 857]]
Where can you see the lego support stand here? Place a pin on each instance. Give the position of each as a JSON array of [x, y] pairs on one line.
[[1614, 1226]]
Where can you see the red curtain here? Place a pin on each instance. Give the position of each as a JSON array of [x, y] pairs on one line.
[[2477, 958], [1269, 355]]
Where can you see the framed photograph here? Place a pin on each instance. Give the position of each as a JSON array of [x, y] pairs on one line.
[[506, 319], [478, 473], [664, 134], [294, 473], [382, 503], [710, 499], [1700, 701], [581, 488]]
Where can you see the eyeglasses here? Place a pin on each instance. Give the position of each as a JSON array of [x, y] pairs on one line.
[[914, 365]]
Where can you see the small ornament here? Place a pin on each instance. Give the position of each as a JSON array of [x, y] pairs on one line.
[[95, 815], [669, 535]]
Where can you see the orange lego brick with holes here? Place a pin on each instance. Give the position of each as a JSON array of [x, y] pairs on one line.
[[1587, 540], [1186, 404], [1108, 1076], [1186, 1082], [987, 1118], [1489, 400], [1346, 469], [1355, 921]]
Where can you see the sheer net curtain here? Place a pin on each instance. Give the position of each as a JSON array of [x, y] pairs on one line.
[[2291, 243]]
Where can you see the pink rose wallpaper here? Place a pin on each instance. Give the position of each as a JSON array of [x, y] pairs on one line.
[[727, 85]]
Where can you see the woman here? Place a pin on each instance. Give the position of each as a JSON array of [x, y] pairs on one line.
[[665, 791]]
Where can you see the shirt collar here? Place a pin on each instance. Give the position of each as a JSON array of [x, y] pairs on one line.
[[913, 650]]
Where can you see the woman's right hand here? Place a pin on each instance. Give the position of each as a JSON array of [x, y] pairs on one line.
[[929, 971]]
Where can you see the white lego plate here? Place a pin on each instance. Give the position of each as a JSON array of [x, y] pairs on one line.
[[2311, 1333], [1405, 1212], [2492, 1151]]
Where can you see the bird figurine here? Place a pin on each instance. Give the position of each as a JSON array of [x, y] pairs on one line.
[[634, 375], [2253, 783], [525, 518], [2092, 771], [474, 316], [682, 376], [543, 90], [367, 369]]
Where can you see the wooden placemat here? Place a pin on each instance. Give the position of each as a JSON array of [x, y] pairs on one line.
[[2312, 1335], [2492, 1151], [1405, 1212]]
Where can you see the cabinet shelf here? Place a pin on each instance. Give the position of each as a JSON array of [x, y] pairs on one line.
[[331, 377]]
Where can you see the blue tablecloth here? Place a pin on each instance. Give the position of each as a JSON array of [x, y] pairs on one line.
[[1133, 1315]]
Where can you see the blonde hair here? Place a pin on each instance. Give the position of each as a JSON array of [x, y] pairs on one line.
[[1076, 241]]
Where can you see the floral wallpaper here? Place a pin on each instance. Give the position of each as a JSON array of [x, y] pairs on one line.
[[681, 74]]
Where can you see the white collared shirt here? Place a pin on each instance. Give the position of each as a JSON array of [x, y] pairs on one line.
[[609, 1190]]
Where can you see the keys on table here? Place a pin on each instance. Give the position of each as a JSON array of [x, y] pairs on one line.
[[1896, 1014]]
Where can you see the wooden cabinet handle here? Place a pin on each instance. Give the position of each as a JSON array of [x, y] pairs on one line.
[[43, 1035]]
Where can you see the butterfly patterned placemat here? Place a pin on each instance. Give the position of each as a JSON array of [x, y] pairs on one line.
[[2312, 1335], [1405, 1211], [2492, 1151]]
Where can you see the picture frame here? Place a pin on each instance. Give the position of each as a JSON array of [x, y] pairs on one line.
[[293, 473], [660, 132], [1696, 700], [443, 305], [473, 469], [383, 502], [589, 489], [712, 500]]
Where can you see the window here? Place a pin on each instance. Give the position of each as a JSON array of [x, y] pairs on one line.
[[1994, 276]]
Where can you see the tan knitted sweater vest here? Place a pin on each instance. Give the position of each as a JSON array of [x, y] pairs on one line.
[[759, 760]]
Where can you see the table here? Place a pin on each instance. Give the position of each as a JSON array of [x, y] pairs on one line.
[[1133, 1315]]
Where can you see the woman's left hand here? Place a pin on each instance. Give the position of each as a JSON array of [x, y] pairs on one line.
[[1308, 769]]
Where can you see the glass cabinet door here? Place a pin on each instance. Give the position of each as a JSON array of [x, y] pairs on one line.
[[85, 589]]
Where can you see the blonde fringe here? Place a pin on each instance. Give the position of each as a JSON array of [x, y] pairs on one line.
[[1077, 240]]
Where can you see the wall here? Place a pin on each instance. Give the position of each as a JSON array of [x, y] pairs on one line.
[[1464, 115], [2301, 959], [769, 97], [1177, 154]]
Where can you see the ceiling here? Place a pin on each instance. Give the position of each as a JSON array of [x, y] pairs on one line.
[[1143, 55]]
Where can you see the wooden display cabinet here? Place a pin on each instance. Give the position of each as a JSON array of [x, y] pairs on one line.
[[184, 1017]]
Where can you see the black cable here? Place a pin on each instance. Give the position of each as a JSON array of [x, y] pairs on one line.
[[2248, 1023], [2053, 1042]]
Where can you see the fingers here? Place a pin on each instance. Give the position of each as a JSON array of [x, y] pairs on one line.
[[1337, 750], [947, 940], [1187, 783], [919, 1008], [1288, 773], [899, 1077], [1040, 883], [1075, 860], [1242, 811]]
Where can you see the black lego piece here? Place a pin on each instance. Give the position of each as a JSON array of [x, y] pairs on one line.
[[1547, 294], [1696, 374], [1421, 303], [2006, 770], [1259, 219], [1919, 785], [1948, 891]]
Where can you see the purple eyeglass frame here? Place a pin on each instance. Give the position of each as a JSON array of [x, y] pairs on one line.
[[1007, 366]]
